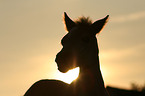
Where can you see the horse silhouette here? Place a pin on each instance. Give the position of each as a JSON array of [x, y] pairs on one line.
[[80, 49]]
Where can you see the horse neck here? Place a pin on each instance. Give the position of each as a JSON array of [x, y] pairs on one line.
[[90, 79], [92, 74], [91, 67]]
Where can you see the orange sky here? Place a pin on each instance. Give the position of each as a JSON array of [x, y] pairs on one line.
[[31, 31]]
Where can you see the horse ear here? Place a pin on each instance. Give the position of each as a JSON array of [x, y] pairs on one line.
[[68, 22], [98, 25]]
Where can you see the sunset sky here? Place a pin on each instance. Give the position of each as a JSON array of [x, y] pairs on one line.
[[31, 30]]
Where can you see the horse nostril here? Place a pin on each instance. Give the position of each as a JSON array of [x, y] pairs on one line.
[[55, 60], [58, 57]]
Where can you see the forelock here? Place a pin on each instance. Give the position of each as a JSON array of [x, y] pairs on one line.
[[83, 21]]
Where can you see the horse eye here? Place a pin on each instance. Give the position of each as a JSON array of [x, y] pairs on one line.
[[64, 40], [86, 40]]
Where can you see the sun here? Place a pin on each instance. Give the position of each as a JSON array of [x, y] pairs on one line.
[[69, 76]]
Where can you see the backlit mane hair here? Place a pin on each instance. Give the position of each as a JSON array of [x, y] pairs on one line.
[[83, 21], [80, 22]]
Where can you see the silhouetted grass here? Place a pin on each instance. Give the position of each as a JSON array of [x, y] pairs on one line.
[[136, 90]]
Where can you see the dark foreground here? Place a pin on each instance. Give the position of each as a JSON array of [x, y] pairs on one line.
[[122, 92]]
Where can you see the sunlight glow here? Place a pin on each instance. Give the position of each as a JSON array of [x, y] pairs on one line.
[[69, 76]]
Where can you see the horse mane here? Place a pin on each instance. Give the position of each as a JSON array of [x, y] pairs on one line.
[[83, 21]]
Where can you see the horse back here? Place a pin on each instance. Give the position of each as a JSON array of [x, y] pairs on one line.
[[48, 88]]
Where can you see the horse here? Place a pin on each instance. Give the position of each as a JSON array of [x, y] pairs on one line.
[[80, 49]]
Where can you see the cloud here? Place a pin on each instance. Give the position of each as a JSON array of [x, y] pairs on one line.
[[132, 55], [128, 17]]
